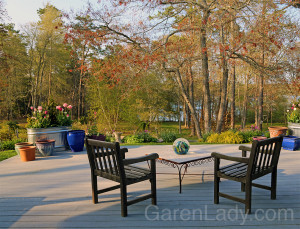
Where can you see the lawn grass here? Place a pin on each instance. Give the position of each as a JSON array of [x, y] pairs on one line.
[[7, 154]]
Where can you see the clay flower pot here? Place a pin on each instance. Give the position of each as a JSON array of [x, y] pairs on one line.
[[276, 131], [22, 144], [27, 153], [45, 147]]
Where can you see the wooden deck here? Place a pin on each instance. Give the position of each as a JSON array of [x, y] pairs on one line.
[[55, 192]]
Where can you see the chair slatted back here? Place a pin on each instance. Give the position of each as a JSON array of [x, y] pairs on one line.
[[105, 158], [264, 156]]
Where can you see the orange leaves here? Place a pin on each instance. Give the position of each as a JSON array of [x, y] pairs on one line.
[[204, 50]]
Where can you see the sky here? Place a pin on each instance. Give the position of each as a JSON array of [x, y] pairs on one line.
[[24, 11]]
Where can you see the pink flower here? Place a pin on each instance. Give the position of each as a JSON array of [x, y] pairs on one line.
[[60, 109], [65, 105], [34, 109], [57, 107], [40, 108], [44, 116], [46, 112], [68, 115], [95, 113], [69, 107], [31, 107], [292, 108]]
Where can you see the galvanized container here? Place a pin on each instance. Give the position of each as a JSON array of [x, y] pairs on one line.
[[294, 129], [45, 147], [59, 134]]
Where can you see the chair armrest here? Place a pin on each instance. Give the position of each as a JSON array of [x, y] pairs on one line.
[[124, 150], [245, 148], [230, 158], [148, 157]]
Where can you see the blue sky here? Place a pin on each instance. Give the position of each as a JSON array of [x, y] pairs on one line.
[[24, 11]]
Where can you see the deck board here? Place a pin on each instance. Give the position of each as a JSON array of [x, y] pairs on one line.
[[55, 192]]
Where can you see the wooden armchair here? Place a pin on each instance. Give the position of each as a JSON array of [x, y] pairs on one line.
[[107, 160], [263, 160]]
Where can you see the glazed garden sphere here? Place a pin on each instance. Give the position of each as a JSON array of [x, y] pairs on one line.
[[181, 146]]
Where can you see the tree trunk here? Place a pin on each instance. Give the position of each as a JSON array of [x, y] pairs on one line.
[[189, 104], [179, 115], [245, 102], [233, 99], [205, 74], [221, 112], [191, 96]]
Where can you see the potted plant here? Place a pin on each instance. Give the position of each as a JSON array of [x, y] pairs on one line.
[[76, 140], [293, 118], [93, 130], [277, 131], [21, 144], [50, 122], [27, 153]]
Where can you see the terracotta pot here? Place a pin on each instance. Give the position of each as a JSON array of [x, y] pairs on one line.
[[27, 153], [276, 131], [45, 147], [22, 144]]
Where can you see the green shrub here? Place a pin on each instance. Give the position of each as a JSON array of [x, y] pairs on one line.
[[9, 145], [140, 138], [206, 135], [227, 137], [267, 134], [109, 137], [248, 135], [147, 137], [168, 136], [131, 139]]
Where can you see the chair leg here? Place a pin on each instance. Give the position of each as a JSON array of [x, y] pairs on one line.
[[242, 187], [216, 181], [123, 189], [153, 182], [94, 189], [248, 191], [153, 191], [273, 184]]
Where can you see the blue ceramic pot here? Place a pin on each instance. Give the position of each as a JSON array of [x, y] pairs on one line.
[[76, 140]]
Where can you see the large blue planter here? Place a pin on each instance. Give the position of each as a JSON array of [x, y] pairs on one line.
[[291, 142], [76, 140]]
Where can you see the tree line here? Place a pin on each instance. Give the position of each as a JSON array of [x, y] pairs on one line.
[[207, 63]]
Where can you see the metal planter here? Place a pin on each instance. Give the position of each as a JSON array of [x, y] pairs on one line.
[[45, 147], [59, 134], [294, 129]]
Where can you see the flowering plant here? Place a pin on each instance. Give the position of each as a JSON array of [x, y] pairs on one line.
[[93, 128], [50, 116], [293, 114]]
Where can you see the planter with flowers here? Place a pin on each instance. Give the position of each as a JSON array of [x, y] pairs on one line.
[[93, 130], [293, 118], [50, 122]]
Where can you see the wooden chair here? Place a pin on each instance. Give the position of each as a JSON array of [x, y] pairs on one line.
[[107, 160], [263, 160]]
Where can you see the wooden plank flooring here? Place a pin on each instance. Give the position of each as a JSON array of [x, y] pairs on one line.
[[55, 192]]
